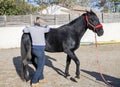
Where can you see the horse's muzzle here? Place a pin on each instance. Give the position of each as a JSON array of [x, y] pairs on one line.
[[100, 32]]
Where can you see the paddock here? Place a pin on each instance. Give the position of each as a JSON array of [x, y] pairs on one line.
[[109, 58]]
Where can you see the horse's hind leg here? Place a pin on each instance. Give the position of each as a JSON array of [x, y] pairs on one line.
[[68, 61], [34, 62], [24, 71]]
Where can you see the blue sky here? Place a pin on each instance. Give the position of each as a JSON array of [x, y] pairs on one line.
[[32, 2]]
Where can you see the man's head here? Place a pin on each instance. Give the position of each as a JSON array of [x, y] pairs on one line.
[[39, 22]]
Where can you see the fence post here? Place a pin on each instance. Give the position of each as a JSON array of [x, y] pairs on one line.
[[69, 17], [31, 19], [5, 20], [54, 19], [102, 18]]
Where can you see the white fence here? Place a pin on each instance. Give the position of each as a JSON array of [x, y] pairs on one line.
[[22, 20], [10, 37]]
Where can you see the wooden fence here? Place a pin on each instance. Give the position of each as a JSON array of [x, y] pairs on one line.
[[22, 20]]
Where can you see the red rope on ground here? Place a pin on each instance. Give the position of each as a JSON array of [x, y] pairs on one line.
[[99, 68]]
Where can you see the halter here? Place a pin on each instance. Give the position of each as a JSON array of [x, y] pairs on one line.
[[94, 27]]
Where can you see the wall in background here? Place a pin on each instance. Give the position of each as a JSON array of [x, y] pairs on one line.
[[10, 37]]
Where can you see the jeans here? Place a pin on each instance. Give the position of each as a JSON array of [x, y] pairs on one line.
[[38, 53]]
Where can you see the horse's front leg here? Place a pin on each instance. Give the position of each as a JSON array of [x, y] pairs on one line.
[[77, 62], [68, 61]]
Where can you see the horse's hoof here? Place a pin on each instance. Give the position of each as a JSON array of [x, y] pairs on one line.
[[73, 79], [78, 77], [23, 79], [27, 79], [66, 75]]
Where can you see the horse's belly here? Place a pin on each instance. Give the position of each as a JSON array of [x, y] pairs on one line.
[[53, 49]]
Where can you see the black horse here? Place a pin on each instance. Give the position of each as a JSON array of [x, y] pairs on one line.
[[65, 39]]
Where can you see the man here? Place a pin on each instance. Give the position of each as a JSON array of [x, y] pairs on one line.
[[37, 33]]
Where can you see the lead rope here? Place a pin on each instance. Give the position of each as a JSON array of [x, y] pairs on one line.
[[99, 68]]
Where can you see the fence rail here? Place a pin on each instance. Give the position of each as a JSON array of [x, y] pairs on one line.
[[21, 20]]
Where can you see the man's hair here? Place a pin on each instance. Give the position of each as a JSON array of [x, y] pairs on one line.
[[39, 22]]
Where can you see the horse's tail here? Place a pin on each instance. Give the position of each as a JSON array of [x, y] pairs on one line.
[[26, 46], [25, 54]]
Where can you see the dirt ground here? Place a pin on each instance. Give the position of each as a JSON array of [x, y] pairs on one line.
[[109, 61]]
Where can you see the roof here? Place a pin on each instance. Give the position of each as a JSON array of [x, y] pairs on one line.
[[80, 8], [54, 9]]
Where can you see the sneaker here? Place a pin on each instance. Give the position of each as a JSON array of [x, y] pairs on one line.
[[36, 85], [43, 81]]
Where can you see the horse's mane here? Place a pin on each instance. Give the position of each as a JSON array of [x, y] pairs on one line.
[[75, 20], [78, 18]]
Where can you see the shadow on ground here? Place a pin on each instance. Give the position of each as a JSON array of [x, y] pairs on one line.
[[115, 82], [17, 63], [48, 62]]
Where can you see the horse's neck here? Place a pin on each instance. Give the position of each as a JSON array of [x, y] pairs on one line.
[[80, 26]]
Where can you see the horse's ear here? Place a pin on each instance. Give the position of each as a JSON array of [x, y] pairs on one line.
[[91, 11], [87, 11]]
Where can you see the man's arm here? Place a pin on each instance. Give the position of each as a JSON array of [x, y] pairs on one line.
[[26, 30], [47, 28]]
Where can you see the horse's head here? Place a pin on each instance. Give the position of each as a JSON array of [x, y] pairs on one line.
[[93, 23]]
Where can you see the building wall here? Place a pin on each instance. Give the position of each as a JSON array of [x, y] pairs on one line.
[[10, 37]]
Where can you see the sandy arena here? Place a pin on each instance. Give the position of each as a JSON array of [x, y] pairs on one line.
[[109, 60]]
